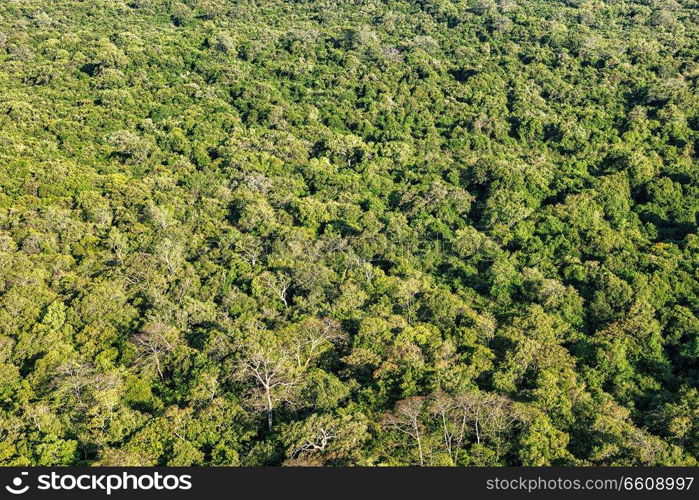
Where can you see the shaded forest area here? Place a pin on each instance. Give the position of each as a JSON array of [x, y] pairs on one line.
[[437, 232]]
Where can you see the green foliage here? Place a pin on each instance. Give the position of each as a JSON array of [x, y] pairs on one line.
[[349, 233]]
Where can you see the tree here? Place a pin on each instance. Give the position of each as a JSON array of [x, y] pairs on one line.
[[406, 419], [256, 235], [312, 337], [278, 284], [154, 343], [325, 439], [263, 359]]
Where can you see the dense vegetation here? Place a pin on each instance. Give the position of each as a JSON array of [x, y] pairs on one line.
[[362, 232]]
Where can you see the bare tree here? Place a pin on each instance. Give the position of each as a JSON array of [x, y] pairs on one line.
[[249, 246], [489, 416], [154, 343], [269, 365], [646, 445], [445, 408], [318, 442], [406, 420], [313, 337], [323, 438], [73, 379], [472, 409], [171, 253], [279, 284], [492, 416]]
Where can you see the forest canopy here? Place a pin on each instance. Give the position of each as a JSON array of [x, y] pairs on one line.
[[349, 232]]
